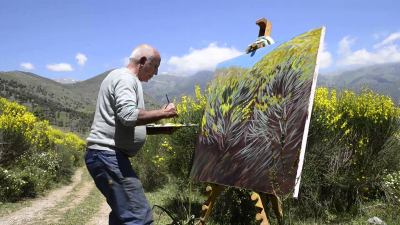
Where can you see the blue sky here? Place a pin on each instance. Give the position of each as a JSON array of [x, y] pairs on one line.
[[80, 39]]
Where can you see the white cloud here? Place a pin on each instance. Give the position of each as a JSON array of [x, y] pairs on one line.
[[389, 40], [200, 59], [325, 59], [27, 66], [81, 58], [345, 45], [60, 67], [385, 51]]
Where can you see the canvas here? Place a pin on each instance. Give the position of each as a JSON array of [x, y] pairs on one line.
[[254, 129]]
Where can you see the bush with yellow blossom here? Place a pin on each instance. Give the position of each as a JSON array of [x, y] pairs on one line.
[[33, 155], [166, 157], [347, 150]]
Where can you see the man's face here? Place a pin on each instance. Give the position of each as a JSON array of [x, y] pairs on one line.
[[149, 69]]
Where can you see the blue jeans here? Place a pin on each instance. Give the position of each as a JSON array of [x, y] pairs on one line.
[[114, 177]]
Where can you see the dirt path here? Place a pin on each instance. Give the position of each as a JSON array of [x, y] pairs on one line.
[[69, 202], [79, 203], [101, 217], [41, 205]]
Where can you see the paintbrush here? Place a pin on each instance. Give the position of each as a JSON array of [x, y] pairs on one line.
[[166, 95]]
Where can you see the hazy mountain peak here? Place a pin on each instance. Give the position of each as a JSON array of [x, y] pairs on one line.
[[381, 78]]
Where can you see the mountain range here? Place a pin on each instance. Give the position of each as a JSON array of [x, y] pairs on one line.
[[381, 78], [70, 106]]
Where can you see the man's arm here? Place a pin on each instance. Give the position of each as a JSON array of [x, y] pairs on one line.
[[126, 105], [145, 117]]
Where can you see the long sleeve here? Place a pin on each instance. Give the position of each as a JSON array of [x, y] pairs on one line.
[[126, 101]]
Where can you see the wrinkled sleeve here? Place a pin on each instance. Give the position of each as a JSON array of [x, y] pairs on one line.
[[126, 104]]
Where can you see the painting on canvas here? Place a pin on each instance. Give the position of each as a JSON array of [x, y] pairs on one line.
[[255, 125]]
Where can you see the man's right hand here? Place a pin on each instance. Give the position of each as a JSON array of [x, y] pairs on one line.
[[169, 110]]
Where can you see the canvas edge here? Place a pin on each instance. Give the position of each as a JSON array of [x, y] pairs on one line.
[[307, 124]]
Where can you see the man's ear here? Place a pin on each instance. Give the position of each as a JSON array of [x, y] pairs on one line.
[[142, 60]]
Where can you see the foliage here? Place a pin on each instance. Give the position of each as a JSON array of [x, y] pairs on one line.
[[234, 206], [33, 155], [183, 141], [347, 153], [391, 186], [149, 164]]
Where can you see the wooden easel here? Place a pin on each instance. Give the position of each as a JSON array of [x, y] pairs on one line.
[[264, 38], [261, 199]]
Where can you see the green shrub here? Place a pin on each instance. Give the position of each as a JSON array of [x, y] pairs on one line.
[[183, 142], [66, 160], [11, 187], [391, 186], [347, 153], [36, 181], [149, 164]]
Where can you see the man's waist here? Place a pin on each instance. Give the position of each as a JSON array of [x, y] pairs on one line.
[[98, 146]]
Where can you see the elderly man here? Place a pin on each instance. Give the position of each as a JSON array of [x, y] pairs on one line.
[[118, 132]]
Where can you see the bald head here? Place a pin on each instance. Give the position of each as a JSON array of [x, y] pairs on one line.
[[144, 62], [144, 50]]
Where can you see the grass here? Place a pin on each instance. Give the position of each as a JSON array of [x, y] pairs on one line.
[[9, 207], [389, 214], [174, 200], [160, 197], [181, 204]]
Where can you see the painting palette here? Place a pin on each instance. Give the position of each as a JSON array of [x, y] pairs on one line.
[[167, 128]]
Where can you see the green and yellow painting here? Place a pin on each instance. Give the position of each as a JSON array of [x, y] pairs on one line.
[[254, 129]]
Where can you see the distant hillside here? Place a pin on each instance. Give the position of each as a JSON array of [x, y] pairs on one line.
[[47, 99], [175, 86], [154, 90], [67, 106], [90, 88], [382, 78], [43, 88]]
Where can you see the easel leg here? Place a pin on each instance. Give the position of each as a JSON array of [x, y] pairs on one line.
[[260, 203], [213, 191], [277, 207]]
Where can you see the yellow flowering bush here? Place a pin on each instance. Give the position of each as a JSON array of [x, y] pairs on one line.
[[33, 155], [181, 144], [347, 150], [190, 109], [166, 156]]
